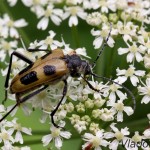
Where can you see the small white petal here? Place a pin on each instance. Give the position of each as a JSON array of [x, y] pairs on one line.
[[14, 32], [119, 116], [121, 79], [146, 99], [128, 110], [46, 139], [122, 51], [148, 81], [111, 42], [140, 73], [56, 20], [58, 142], [73, 21], [43, 23], [114, 145], [112, 96], [82, 15], [130, 57], [20, 23], [113, 127], [134, 80], [109, 135], [65, 134], [127, 37], [138, 57], [97, 42], [121, 95], [95, 33], [26, 130], [18, 138]]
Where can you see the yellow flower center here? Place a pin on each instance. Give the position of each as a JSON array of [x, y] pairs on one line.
[[4, 136], [18, 127], [129, 72], [119, 135], [48, 12], [10, 23], [36, 2], [6, 45], [133, 49], [96, 141], [48, 41], [104, 33], [119, 106], [113, 88], [55, 133], [148, 90], [73, 11]]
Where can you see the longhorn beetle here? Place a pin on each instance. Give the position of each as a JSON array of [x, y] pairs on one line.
[[50, 69]]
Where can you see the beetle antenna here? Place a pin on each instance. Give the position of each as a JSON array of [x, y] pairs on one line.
[[103, 47], [8, 112], [126, 89]]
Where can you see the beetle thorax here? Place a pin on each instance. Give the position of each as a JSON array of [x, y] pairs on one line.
[[77, 66]]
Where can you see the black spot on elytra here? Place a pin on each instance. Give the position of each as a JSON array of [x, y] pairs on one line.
[[44, 56], [29, 78], [26, 69], [49, 70]]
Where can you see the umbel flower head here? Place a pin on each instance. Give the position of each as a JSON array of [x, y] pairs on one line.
[[95, 110]]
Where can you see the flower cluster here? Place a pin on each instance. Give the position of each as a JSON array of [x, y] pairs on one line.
[[95, 114]]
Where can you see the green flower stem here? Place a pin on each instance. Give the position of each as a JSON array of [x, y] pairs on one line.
[[75, 36]]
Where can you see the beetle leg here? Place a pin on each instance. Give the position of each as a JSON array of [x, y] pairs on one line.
[[57, 107], [19, 100], [27, 60], [37, 50]]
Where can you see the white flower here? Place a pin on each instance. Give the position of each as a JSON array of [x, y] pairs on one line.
[[104, 5], [119, 135], [145, 90], [102, 35], [10, 26], [12, 2], [128, 30], [2, 55], [144, 39], [7, 47], [21, 148], [49, 42], [134, 52], [2, 110], [73, 2], [6, 137], [94, 19], [118, 108], [98, 86], [55, 14], [56, 135], [14, 126], [74, 12], [34, 3], [114, 91], [97, 141], [80, 126], [146, 134], [147, 61], [107, 115], [129, 73]]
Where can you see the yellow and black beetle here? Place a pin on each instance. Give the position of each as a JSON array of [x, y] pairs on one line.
[[50, 69]]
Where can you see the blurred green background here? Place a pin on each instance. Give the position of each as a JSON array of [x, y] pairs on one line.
[[106, 66]]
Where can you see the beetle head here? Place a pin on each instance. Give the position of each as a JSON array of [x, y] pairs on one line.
[[77, 66]]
